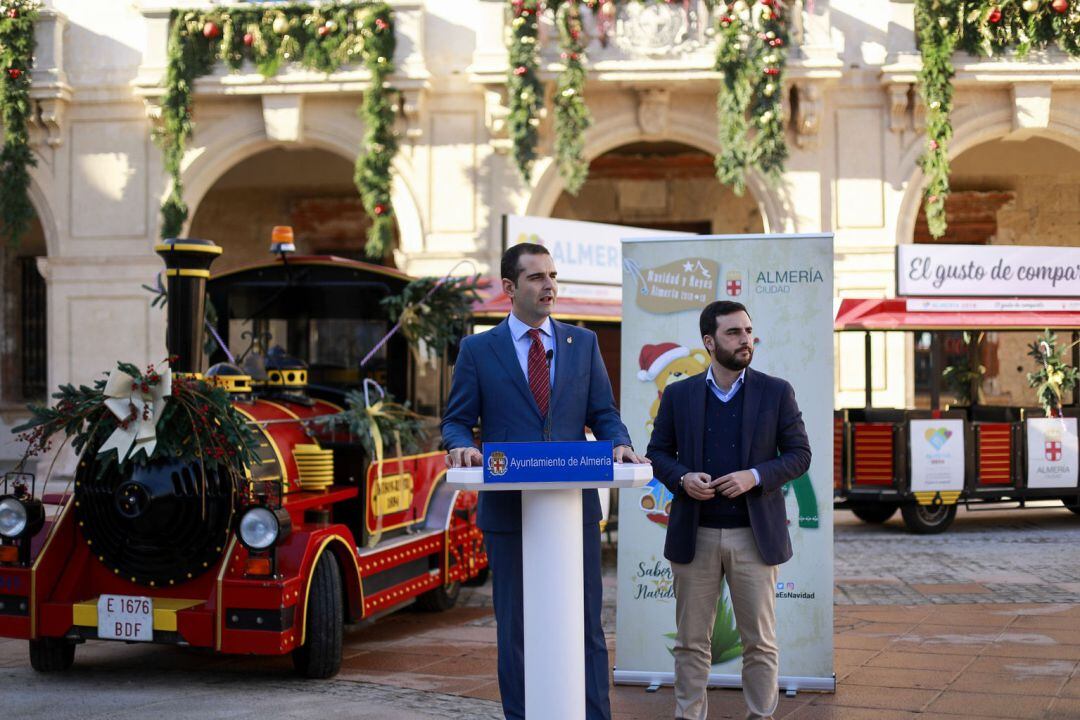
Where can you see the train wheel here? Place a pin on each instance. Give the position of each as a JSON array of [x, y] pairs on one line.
[[320, 655], [928, 519], [51, 654], [441, 598], [874, 513]]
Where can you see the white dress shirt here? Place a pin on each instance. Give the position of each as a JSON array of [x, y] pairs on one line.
[[519, 331]]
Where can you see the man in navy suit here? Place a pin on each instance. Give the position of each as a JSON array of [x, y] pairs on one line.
[[724, 443], [533, 378]]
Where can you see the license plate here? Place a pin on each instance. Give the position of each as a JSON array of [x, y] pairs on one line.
[[123, 617]]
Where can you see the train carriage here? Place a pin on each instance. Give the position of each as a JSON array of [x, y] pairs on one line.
[[978, 454], [316, 534]]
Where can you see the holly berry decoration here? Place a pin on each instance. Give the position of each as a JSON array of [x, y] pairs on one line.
[[994, 16], [381, 24], [13, 13], [210, 30], [249, 39], [14, 73], [379, 209], [323, 31], [1060, 6]]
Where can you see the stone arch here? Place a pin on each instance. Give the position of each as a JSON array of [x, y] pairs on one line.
[[970, 129], [225, 145], [622, 128], [40, 191]]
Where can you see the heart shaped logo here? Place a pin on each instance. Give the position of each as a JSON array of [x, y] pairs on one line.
[[937, 437]]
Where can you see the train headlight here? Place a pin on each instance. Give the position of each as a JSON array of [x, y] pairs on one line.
[[262, 528], [20, 517]]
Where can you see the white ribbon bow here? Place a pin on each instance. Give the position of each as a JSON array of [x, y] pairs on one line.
[[128, 401]]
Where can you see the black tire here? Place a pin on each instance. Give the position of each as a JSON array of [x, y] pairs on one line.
[[479, 579], [320, 655], [928, 519], [441, 598], [52, 654], [874, 513]]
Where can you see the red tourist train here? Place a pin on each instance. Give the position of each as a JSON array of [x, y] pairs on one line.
[[926, 462], [173, 553]]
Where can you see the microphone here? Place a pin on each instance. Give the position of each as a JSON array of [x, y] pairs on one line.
[[549, 354]]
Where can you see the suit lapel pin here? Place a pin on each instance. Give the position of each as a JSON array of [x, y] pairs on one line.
[[569, 340]]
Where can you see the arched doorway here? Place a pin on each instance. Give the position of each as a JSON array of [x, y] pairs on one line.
[[309, 189], [1004, 191], [663, 185], [23, 317]]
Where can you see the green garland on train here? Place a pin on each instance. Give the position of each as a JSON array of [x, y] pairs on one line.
[[323, 38]]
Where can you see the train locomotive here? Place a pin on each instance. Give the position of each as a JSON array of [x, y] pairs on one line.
[[316, 534]]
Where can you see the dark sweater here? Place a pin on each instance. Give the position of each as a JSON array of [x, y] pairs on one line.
[[723, 429]]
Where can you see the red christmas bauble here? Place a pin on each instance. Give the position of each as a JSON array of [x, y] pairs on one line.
[[249, 39], [381, 24], [323, 31], [380, 209], [994, 16], [13, 13], [1060, 6], [14, 73], [211, 30]]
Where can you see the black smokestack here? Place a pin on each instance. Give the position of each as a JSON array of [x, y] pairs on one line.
[[187, 263]]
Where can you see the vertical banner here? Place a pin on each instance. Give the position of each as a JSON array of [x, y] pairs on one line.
[[786, 283]]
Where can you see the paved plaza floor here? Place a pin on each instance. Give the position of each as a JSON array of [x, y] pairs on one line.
[[981, 622]]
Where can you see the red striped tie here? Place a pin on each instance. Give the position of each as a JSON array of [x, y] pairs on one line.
[[539, 373]]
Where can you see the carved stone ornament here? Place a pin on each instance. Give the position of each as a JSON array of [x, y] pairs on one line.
[[652, 29], [652, 114], [808, 118], [899, 103]]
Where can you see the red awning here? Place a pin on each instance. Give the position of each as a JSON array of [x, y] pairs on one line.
[[571, 309], [959, 314]]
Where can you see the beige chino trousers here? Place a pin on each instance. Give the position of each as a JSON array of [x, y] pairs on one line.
[[732, 554]]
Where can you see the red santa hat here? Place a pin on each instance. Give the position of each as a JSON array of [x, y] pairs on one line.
[[654, 358]]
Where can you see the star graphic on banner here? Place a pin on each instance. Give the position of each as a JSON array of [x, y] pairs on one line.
[[688, 266]]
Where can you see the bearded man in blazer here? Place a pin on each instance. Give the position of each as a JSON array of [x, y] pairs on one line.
[[724, 443], [533, 378]]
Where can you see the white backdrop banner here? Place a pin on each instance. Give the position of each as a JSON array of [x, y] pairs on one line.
[[937, 455], [988, 270], [1052, 456], [588, 255], [786, 282]]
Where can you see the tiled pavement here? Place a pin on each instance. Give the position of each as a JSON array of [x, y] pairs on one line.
[[929, 653]]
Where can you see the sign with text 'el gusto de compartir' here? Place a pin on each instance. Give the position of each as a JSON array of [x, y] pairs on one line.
[[988, 270], [538, 462]]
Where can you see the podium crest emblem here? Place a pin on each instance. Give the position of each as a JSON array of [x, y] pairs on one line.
[[497, 463]]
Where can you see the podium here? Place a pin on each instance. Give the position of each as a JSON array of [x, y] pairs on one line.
[[554, 594]]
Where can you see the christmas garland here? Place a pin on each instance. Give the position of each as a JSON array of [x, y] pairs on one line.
[[978, 28], [322, 38], [394, 426], [751, 54], [572, 117], [17, 18], [197, 422], [524, 91]]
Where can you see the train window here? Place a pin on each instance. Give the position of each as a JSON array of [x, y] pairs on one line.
[[336, 347]]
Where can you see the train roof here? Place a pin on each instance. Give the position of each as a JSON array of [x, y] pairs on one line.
[[958, 313]]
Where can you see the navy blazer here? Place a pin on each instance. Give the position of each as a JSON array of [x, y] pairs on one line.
[[773, 442], [490, 387]]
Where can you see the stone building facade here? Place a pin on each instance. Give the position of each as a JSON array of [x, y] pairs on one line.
[[280, 151]]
